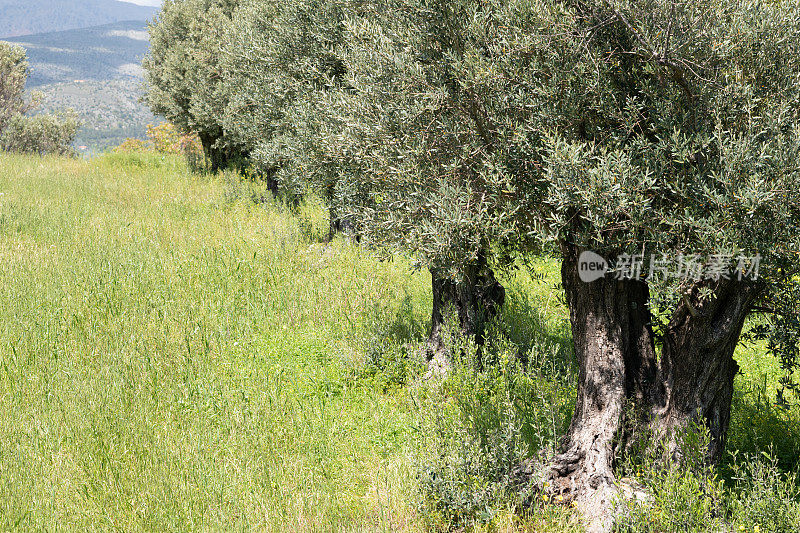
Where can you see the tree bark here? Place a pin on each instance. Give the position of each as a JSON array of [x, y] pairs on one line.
[[697, 368], [207, 142], [475, 300], [613, 339], [272, 182], [691, 381], [216, 158], [341, 224], [613, 342]]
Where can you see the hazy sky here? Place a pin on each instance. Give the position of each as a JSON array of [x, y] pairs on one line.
[[145, 2]]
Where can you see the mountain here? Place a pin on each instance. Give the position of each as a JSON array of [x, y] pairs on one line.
[[110, 110], [27, 17], [97, 72], [100, 53]]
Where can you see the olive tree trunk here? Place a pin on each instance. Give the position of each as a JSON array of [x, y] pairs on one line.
[[692, 380], [613, 343], [697, 368], [211, 154], [218, 158], [474, 301], [340, 223]]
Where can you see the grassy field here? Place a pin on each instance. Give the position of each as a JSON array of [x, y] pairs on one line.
[[177, 357]]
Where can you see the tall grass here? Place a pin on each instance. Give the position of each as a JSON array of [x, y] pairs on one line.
[[173, 357], [182, 353]]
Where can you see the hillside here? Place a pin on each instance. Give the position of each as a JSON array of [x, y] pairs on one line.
[[97, 72], [99, 53], [26, 17], [110, 110]]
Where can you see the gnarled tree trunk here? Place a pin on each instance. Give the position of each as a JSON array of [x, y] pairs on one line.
[[697, 368], [341, 224], [691, 381], [271, 181], [218, 158], [614, 346], [212, 155], [475, 300]]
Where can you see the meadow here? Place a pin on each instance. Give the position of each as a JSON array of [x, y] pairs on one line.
[[181, 352]]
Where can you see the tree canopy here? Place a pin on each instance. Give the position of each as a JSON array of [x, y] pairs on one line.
[[622, 127], [14, 67], [183, 73]]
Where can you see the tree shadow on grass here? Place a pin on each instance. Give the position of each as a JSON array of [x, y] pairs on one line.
[[394, 347], [390, 351], [502, 404]]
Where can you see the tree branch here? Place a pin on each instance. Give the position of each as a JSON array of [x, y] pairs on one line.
[[677, 71]]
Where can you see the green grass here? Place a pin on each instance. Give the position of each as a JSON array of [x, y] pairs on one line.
[[177, 357]]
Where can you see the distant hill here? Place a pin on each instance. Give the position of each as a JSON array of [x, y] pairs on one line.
[[109, 110], [27, 17], [100, 53], [96, 71]]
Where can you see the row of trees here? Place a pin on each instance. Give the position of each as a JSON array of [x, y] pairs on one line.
[[468, 132], [20, 131]]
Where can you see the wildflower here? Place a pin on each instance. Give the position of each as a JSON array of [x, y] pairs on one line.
[[560, 498]]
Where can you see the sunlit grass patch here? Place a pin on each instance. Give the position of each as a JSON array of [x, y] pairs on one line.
[[173, 360]]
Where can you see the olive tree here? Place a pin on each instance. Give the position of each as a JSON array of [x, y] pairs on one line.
[[414, 164], [14, 69], [631, 129], [20, 132], [280, 60], [184, 76]]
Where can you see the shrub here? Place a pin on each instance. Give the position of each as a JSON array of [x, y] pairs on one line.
[[40, 134], [690, 497], [763, 498], [685, 496], [683, 501], [165, 138], [132, 145], [488, 415]]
